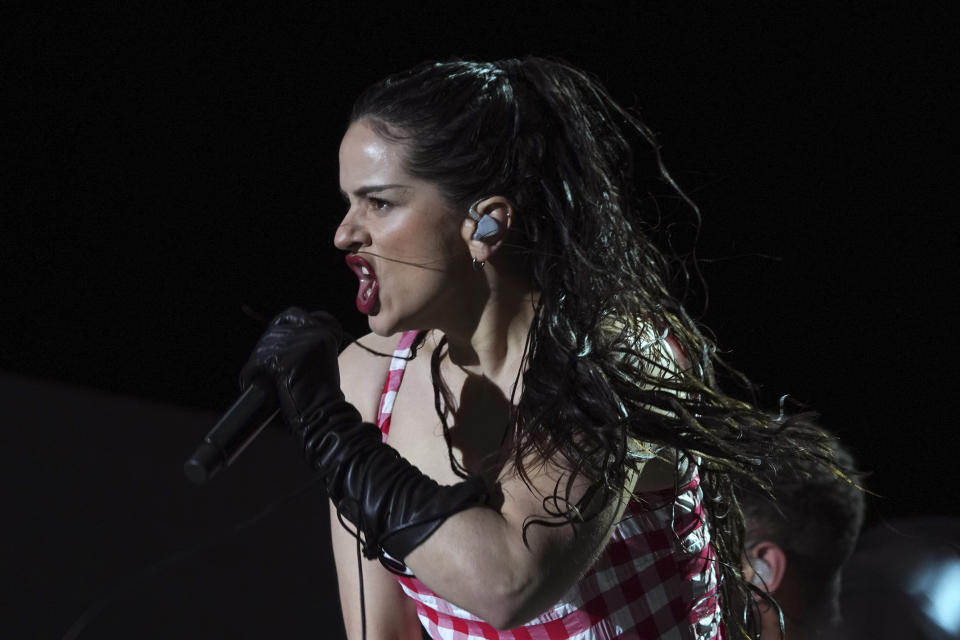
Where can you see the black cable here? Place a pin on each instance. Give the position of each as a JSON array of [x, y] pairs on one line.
[[363, 603]]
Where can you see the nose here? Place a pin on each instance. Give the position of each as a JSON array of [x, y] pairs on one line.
[[351, 234]]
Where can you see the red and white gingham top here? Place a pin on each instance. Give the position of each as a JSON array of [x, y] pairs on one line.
[[656, 578]]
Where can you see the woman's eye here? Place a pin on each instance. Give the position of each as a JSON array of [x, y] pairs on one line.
[[378, 203]]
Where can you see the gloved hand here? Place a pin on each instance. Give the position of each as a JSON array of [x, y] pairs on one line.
[[393, 504], [299, 353]]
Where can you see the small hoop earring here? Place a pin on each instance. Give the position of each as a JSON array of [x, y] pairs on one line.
[[478, 264]]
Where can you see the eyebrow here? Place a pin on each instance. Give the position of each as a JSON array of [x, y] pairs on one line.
[[362, 191]]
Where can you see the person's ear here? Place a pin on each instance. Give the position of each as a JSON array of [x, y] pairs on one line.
[[486, 225], [767, 565]]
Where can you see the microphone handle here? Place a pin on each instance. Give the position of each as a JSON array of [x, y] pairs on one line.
[[253, 411]]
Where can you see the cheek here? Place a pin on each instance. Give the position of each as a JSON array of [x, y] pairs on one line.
[[428, 248], [449, 243]]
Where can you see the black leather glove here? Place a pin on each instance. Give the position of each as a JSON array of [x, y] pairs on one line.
[[393, 504]]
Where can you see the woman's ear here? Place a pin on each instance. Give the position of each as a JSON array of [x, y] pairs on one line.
[[486, 225], [767, 565]]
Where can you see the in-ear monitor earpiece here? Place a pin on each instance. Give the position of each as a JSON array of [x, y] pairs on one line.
[[761, 572], [486, 226]]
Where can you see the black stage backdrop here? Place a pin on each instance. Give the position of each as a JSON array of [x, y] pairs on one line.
[[170, 176]]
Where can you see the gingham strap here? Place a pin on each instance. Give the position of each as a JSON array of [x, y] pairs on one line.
[[398, 364]]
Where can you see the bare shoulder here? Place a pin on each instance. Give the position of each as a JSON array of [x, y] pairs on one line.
[[363, 373], [662, 362]]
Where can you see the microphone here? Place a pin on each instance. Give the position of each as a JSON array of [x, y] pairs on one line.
[[255, 408]]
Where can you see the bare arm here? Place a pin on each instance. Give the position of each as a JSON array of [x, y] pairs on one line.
[[390, 614], [509, 582]]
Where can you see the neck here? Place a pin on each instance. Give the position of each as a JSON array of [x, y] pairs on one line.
[[489, 337], [770, 627], [808, 626]]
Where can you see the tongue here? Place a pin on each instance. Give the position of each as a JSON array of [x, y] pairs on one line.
[[365, 290], [367, 294]]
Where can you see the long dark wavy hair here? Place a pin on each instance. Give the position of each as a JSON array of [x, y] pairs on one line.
[[549, 137]]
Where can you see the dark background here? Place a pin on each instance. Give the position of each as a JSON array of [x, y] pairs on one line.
[[170, 176]]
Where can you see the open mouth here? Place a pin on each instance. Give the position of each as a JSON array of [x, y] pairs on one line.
[[369, 285]]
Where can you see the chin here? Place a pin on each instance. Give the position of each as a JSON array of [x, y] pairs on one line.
[[380, 325], [386, 326], [383, 333]]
